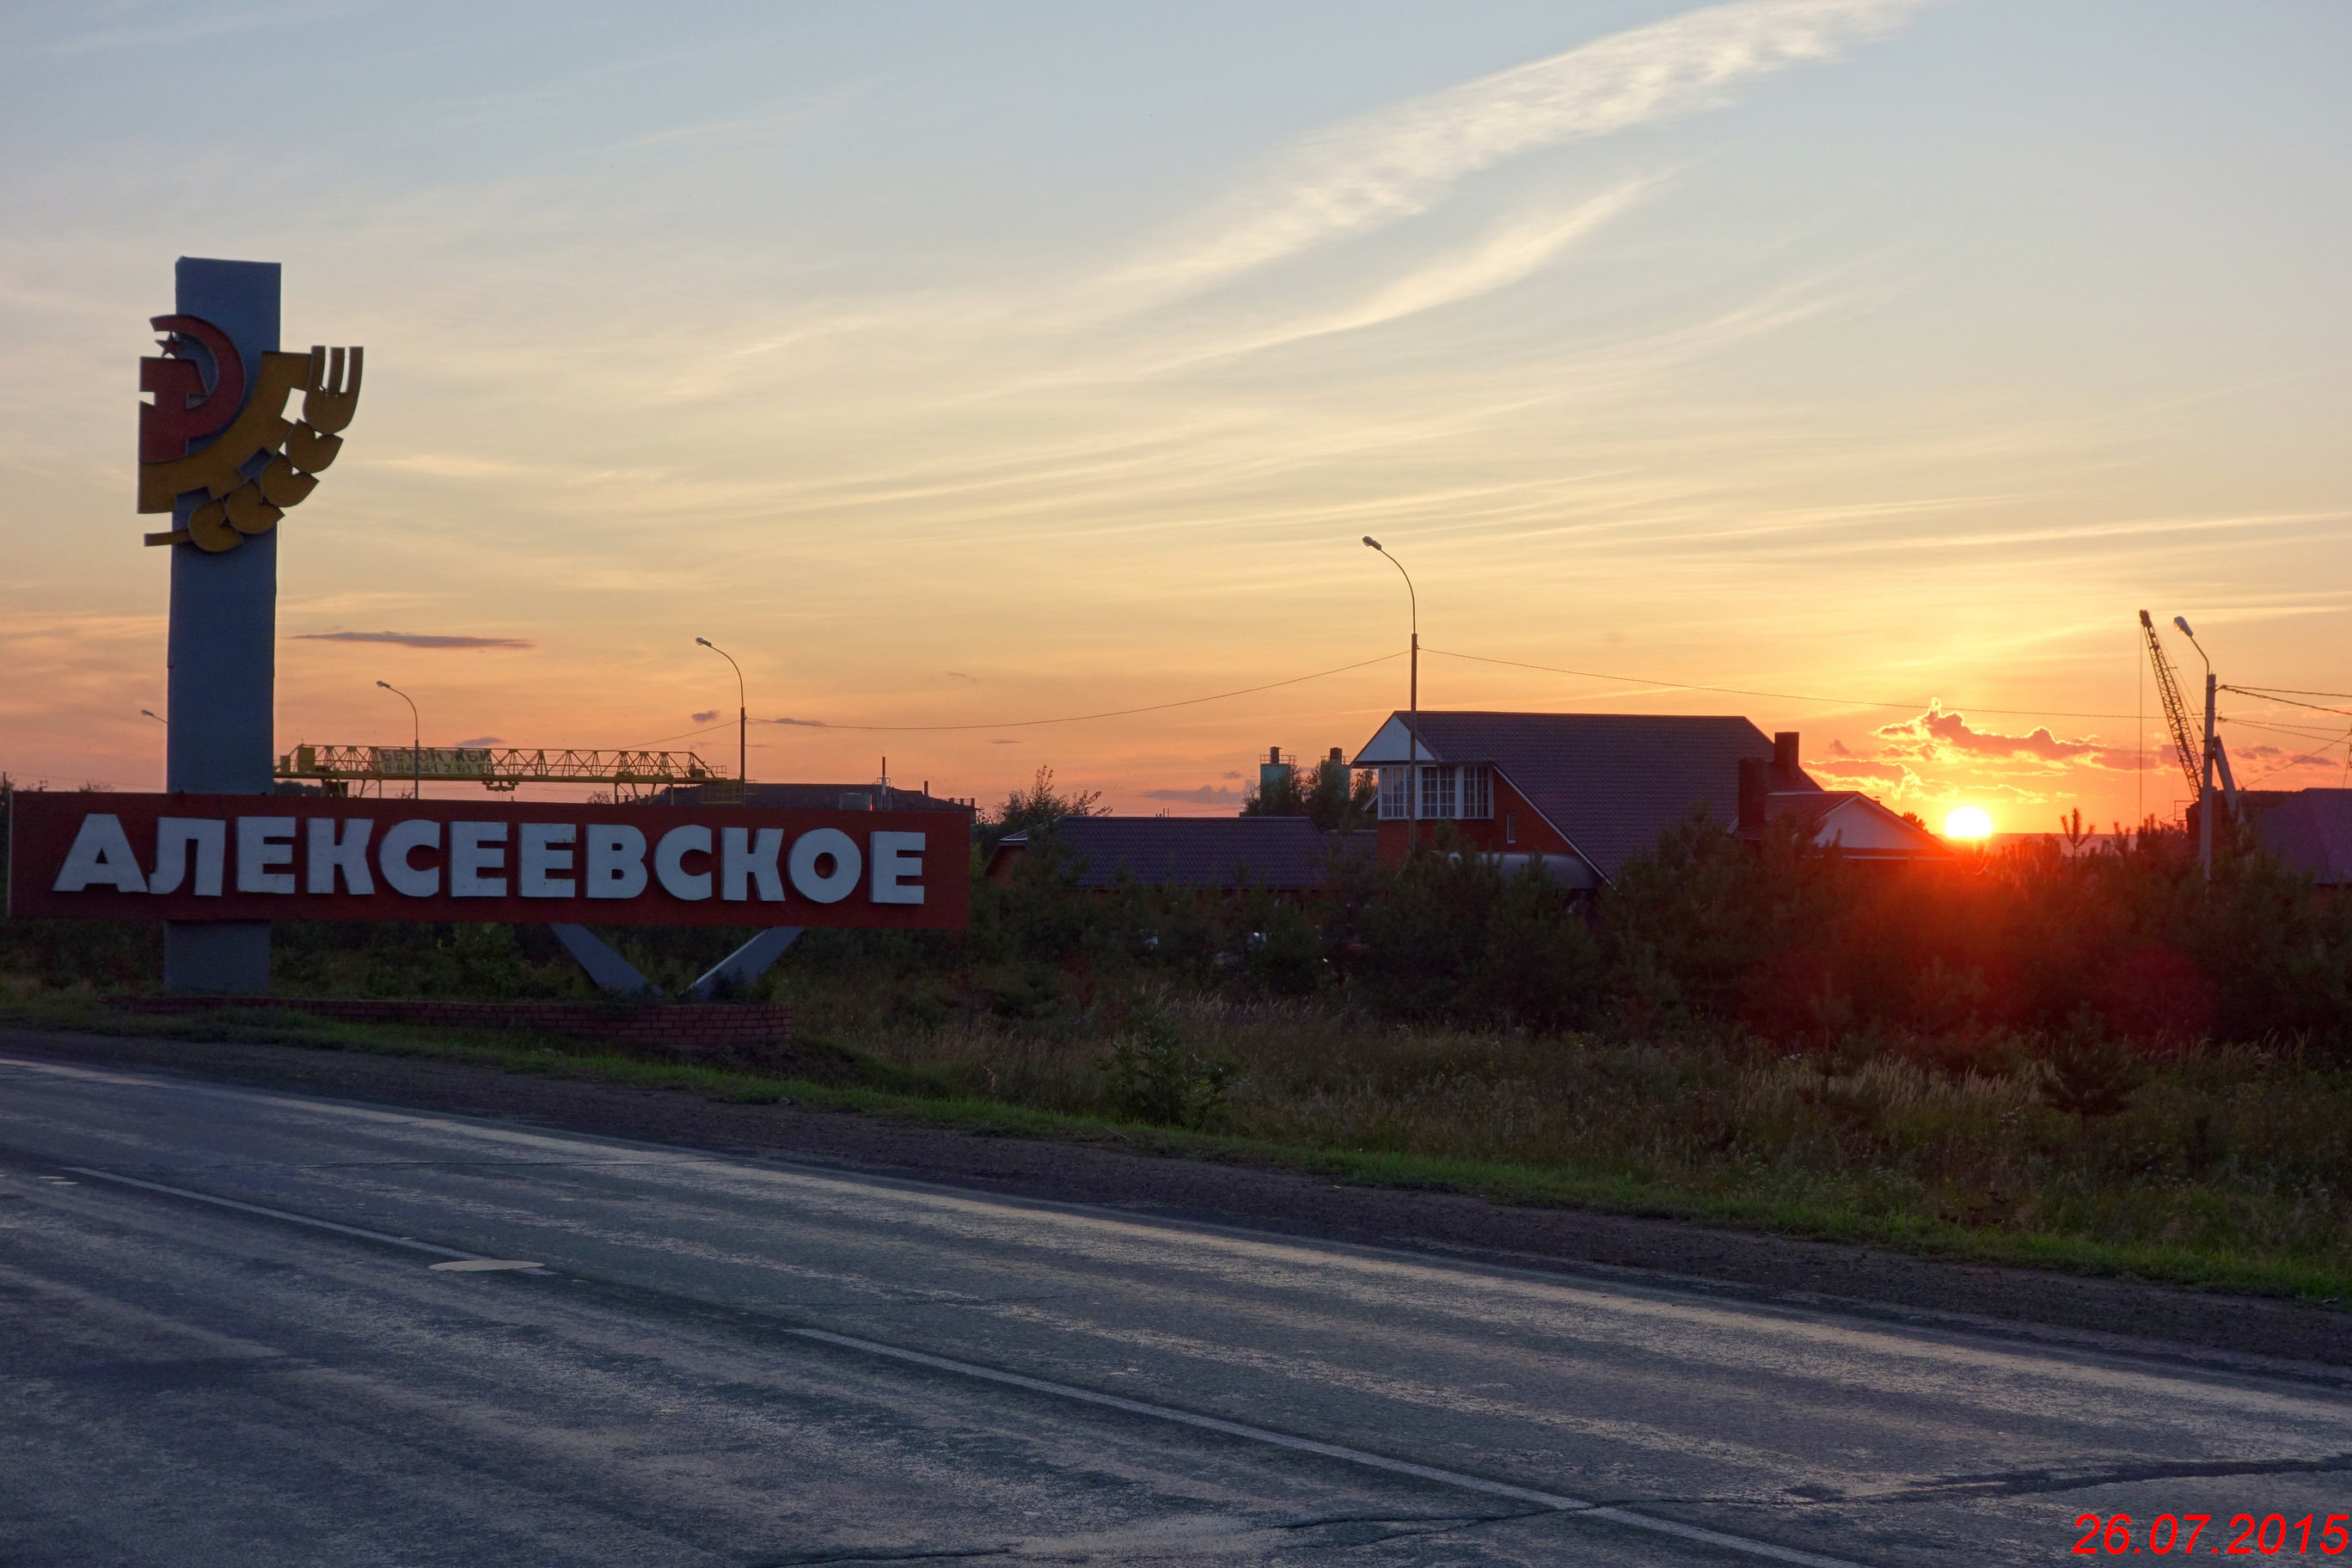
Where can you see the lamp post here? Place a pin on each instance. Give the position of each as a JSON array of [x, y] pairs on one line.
[[151, 713], [743, 719], [1413, 712], [415, 742], [2205, 785]]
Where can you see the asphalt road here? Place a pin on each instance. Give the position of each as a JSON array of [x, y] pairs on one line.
[[247, 1328]]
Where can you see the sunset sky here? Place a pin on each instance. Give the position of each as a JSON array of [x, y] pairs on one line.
[[961, 366]]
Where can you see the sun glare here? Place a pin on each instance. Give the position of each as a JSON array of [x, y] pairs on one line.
[[1968, 822]]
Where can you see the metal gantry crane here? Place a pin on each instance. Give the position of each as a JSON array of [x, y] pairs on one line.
[[2176, 711], [2198, 762], [343, 769]]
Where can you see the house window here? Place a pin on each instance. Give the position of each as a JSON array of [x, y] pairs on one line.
[[1449, 793], [1437, 793], [1510, 827]]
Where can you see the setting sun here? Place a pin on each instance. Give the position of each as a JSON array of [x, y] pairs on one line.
[[1968, 822]]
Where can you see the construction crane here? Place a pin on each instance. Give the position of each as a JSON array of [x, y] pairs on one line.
[[340, 768], [2185, 743]]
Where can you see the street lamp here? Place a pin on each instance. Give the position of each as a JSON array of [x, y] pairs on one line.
[[2205, 786], [743, 721], [1413, 712], [151, 713], [416, 740]]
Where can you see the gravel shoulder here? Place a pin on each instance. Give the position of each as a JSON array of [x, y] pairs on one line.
[[2228, 1333]]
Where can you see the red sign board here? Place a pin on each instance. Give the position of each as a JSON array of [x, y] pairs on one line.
[[244, 857]]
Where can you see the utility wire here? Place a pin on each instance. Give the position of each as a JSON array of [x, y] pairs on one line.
[[1112, 713], [1777, 695], [2330, 736], [2268, 691], [688, 735], [2291, 762], [1480, 658], [2291, 703]]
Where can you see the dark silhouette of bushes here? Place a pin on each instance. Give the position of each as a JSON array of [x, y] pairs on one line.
[[1785, 942]]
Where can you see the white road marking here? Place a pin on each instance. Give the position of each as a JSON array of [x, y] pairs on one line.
[[408, 1242], [471, 1262], [1565, 1504]]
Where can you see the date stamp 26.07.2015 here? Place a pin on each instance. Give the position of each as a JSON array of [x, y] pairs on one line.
[[2245, 1536]]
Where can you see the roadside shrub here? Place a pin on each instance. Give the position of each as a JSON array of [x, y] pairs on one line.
[[1153, 1076]]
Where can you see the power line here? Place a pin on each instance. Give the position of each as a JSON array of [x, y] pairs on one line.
[[2291, 703], [681, 736], [2331, 736], [2267, 690], [16, 782], [2291, 762], [1776, 695], [1112, 713]]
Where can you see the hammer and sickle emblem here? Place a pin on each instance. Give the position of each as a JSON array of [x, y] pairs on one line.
[[244, 432]]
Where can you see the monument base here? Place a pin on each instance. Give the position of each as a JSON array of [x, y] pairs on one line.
[[224, 958]]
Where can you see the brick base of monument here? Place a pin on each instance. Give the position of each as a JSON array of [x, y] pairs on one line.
[[683, 1029]]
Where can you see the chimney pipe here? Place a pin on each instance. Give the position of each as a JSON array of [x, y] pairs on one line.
[[1784, 759]]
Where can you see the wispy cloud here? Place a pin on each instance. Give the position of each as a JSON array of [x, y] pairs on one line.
[[704, 718], [415, 639], [1207, 794], [151, 27], [1506, 255], [802, 723], [1402, 160]]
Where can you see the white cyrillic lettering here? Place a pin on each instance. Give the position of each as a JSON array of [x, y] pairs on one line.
[[616, 861], [475, 848], [817, 845], [263, 842], [101, 854], [410, 881], [745, 856], [330, 853], [898, 856], [173, 837], [669, 862], [537, 856]]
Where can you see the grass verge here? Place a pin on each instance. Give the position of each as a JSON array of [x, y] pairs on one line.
[[894, 1091]]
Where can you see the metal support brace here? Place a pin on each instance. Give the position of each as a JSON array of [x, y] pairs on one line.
[[608, 969], [747, 962], [2228, 785]]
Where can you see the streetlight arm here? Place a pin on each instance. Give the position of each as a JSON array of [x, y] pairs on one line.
[[742, 714], [1412, 599], [415, 742], [1413, 712]]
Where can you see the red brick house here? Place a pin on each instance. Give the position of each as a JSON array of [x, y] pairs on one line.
[[1585, 792]]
